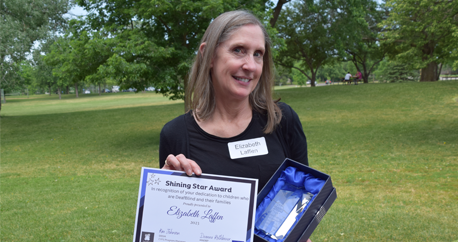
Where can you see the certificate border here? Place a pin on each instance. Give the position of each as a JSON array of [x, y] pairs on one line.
[[142, 191]]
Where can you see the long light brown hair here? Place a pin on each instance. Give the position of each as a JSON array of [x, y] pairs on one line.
[[200, 96]]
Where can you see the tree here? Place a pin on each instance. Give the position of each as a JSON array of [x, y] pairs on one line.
[[332, 71], [43, 73], [391, 70], [155, 41], [298, 78], [308, 30], [362, 47], [282, 76], [78, 54], [22, 23], [423, 32], [277, 11]]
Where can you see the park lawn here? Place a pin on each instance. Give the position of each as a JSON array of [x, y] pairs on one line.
[[70, 168]]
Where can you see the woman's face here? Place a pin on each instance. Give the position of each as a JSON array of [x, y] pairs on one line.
[[237, 65]]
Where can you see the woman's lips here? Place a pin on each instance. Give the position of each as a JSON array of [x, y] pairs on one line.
[[245, 80]]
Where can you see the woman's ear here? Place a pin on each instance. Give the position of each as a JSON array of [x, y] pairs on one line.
[[201, 51]]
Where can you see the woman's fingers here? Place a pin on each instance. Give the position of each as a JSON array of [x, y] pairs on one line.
[[172, 163], [185, 164], [181, 163], [196, 168]]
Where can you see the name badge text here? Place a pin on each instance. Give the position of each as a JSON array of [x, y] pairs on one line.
[[248, 148]]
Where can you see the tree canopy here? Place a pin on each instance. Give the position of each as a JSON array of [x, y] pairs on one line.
[[319, 33], [153, 42], [139, 44], [424, 33], [22, 23], [307, 28], [361, 46]]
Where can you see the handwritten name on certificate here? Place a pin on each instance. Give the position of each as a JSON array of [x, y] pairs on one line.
[[173, 207]]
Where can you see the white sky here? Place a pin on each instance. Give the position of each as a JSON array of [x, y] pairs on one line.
[[76, 11]]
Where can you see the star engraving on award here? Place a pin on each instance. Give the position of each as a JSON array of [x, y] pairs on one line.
[[151, 181]]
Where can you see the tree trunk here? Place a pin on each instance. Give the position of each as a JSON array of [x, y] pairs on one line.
[[100, 91], [2, 97], [438, 71], [49, 90], [58, 90], [365, 74], [312, 82], [76, 89], [428, 73], [277, 11], [67, 91]]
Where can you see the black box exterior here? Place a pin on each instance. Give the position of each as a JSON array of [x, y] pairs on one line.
[[316, 210]]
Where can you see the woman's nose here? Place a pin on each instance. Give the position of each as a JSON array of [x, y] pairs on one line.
[[250, 63]]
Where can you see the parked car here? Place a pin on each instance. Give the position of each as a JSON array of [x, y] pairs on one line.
[[115, 89], [87, 92], [106, 90], [150, 89]]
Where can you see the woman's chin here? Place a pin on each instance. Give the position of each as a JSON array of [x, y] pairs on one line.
[[237, 96]]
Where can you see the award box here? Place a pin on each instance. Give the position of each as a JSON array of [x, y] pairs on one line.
[[311, 216]]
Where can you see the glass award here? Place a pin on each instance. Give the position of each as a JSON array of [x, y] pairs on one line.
[[280, 215]]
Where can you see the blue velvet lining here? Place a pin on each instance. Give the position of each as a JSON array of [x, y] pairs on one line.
[[293, 177]]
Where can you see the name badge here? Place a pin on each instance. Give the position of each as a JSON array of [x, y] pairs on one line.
[[248, 148]]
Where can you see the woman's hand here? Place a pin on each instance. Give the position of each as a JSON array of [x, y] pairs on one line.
[[181, 163]]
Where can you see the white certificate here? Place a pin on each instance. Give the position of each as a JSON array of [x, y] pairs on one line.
[[173, 207]]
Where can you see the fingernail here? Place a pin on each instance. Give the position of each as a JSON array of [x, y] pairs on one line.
[[189, 172]]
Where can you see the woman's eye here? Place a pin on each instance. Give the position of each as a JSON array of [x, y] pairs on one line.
[[238, 50], [258, 54]]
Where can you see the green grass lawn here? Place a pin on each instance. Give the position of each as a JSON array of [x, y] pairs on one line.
[[70, 168]]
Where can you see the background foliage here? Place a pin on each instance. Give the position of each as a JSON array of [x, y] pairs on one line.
[[22, 23], [424, 33], [138, 44]]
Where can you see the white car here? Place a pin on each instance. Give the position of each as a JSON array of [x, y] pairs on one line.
[[115, 89], [87, 92], [150, 89]]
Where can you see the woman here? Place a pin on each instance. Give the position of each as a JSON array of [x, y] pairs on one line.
[[234, 127]]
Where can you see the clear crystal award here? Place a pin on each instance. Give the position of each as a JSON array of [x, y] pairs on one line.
[[280, 215]]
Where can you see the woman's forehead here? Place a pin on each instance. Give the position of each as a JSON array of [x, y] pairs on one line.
[[247, 34]]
